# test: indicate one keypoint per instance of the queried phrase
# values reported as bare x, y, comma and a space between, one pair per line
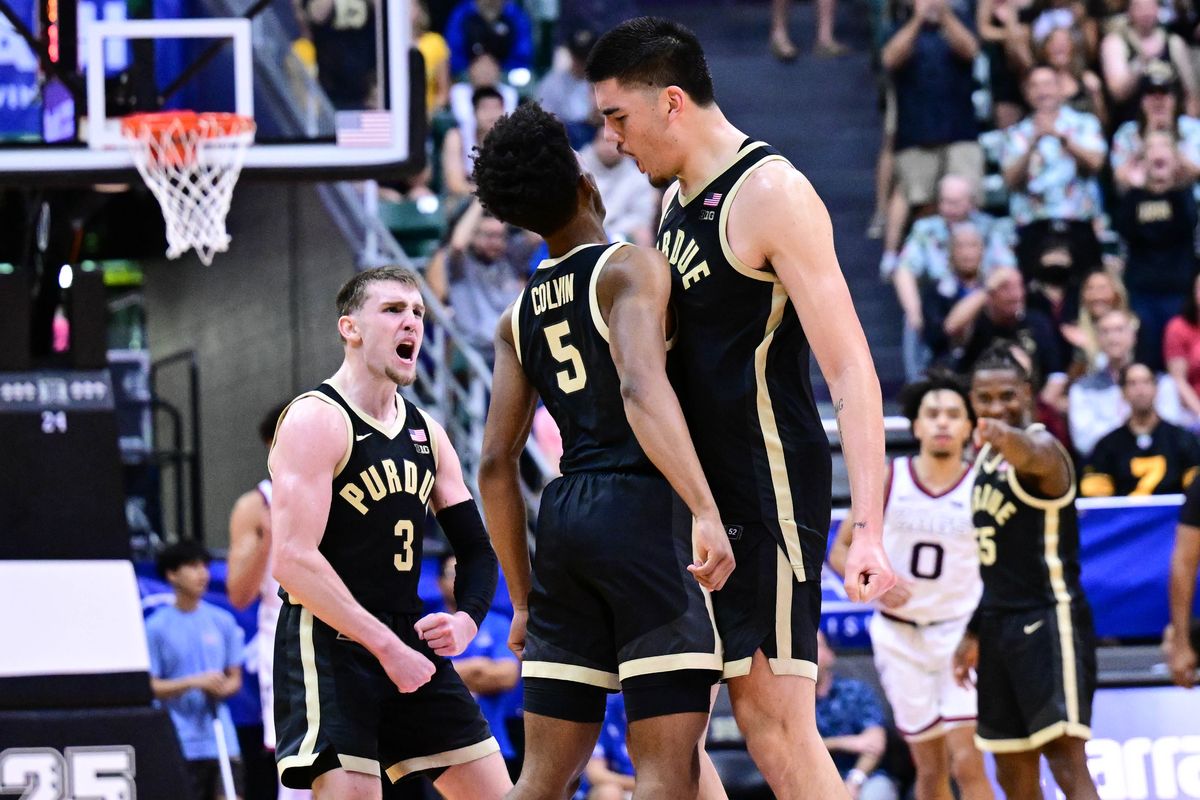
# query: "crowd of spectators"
1040, 182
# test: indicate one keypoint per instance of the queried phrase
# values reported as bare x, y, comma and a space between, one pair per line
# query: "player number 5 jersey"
930, 542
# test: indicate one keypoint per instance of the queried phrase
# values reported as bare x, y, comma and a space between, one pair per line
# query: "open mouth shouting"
407, 352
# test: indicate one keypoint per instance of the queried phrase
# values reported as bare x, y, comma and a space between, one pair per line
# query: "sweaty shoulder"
313, 433
775, 203
632, 268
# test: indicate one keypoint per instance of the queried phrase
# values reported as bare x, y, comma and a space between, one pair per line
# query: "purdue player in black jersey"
755, 283
1031, 640
363, 683
610, 604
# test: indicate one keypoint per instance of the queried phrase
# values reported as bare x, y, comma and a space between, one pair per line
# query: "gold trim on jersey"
433, 437
793, 666
763, 275
783, 607
708, 605
514, 320
571, 672
783, 663
368, 766
1043, 504
345, 459
1034, 742
652, 665
547, 263
737, 669
450, 758
668, 196
593, 299
780, 484
390, 432
1066, 643
307, 754
738, 156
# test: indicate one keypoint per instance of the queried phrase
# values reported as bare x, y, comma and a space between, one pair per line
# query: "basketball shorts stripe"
764, 607
1036, 677
336, 708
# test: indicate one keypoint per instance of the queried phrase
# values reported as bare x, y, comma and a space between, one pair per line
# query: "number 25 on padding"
404, 560
575, 378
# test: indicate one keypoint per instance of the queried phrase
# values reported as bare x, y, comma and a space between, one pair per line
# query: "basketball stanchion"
191, 162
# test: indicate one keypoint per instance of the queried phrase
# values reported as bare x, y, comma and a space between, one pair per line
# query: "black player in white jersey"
1031, 639
363, 682
755, 285
930, 539
609, 603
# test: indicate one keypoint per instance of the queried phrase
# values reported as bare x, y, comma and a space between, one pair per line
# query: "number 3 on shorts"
404, 560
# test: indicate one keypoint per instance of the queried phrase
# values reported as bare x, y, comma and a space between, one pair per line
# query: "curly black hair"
526, 173
912, 395
653, 51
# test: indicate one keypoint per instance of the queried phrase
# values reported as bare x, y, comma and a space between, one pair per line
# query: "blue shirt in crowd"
933, 91
849, 709
187, 643
492, 642
612, 745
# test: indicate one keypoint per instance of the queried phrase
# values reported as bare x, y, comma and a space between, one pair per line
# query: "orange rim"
210, 124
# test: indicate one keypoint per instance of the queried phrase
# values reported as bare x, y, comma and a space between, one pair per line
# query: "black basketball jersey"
562, 342
741, 368
1164, 461
1028, 546
376, 529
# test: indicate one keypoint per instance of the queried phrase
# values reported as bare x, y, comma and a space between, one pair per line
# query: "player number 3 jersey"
930, 541
376, 528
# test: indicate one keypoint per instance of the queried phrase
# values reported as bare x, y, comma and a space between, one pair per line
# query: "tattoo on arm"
837, 412
860, 525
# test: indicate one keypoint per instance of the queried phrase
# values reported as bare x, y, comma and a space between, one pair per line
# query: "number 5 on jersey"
572, 379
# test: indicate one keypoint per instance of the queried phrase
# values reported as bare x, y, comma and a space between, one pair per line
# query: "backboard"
332, 85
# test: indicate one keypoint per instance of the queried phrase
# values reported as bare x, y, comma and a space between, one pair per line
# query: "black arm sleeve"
475, 573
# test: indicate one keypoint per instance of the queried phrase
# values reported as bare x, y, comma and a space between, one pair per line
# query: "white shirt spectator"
630, 201
1096, 407
1056, 189
926, 251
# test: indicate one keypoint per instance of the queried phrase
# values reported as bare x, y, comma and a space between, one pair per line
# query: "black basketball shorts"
764, 606
335, 707
1036, 677
611, 597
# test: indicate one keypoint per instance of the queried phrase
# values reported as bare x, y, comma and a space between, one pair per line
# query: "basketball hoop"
190, 162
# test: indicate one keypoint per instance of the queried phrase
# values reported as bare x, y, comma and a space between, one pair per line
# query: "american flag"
712, 199
418, 435
363, 128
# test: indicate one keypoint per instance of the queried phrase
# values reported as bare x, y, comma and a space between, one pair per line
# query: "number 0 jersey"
930, 542
561, 341
1028, 546
376, 528
741, 369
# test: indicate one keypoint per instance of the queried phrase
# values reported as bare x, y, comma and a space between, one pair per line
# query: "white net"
191, 163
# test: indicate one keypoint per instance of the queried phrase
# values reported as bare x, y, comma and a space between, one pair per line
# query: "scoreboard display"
61, 493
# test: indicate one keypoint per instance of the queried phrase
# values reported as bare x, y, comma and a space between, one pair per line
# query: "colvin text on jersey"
553, 293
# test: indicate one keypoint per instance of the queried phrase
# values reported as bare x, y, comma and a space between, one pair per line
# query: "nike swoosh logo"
360, 438
1033, 626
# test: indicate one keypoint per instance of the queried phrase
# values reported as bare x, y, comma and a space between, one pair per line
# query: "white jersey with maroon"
930, 542
269, 604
